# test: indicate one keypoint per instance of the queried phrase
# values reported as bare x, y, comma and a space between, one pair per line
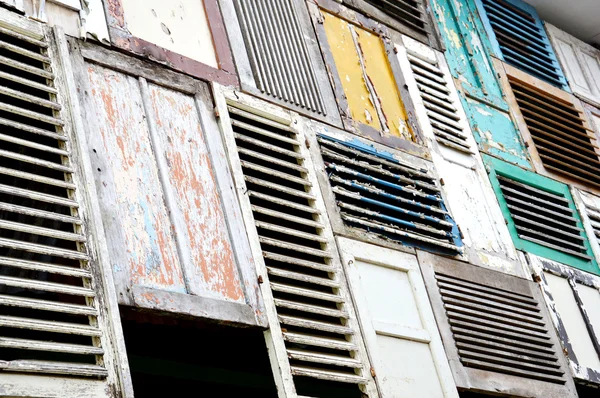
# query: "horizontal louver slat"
306, 292
49, 321
408, 12
390, 199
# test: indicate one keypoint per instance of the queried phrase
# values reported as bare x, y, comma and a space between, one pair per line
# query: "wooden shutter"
276, 57
518, 37
52, 300
410, 17
468, 55
554, 125
541, 215
392, 199
496, 331
573, 297
399, 327
313, 332
581, 63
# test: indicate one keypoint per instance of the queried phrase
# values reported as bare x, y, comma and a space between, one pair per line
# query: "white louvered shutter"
397, 321
469, 194
313, 337
53, 313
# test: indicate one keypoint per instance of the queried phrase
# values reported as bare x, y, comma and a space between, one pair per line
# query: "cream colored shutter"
313, 332
53, 308
397, 321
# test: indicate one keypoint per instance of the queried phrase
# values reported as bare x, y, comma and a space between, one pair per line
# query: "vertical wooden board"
198, 205
496, 133
590, 297
379, 72
573, 69
401, 334
136, 221
348, 65
591, 60
573, 322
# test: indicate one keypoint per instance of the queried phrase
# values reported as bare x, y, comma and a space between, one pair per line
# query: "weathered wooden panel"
171, 220
467, 53
469, 194
399, 327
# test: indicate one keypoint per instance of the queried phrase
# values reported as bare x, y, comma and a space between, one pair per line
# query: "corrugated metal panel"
467, 53
519, 38
367, 78
541, 215
379, 194
309, 303
278, 52
555, 125
581, 63
496, 331
49, 296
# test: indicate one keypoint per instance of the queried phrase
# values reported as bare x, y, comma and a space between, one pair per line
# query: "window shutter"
313, 326
518, 37
394, 200
276, 56
496, 330
573, 297
402, 337
554, 124
407, 16
435, 90
541, 215
581, 63
53, 308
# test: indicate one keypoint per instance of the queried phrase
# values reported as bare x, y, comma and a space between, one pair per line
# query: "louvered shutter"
52, 302
313, 332
469, 194
407, 16
518, 37
541, 215
573, 297
496, 331
396, 317
554, 125
277, 57
581, 63
390, 199
589, 208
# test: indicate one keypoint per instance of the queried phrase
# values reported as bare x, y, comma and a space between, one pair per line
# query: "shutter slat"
45, 267
6, 342
496, 342
328, 375
27, 82
29, 229
336, 360
315, 309
45, 305
408, 13
512, 370
315, 325
542, 240
284, 202
32, 129
487, 330
290, 231
308, 293
280, 188
33, 145
38, 196
294, 247
249, 127
297, 261
303, 277
270, 147
271, 159
35, 177
26, 68
48, 326
60, 368
287, 217
275, 173
35, 161
46, 286
28, 211
29, 98
311, 340
42, 249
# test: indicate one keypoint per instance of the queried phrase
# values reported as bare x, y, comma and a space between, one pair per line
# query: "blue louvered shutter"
519, 38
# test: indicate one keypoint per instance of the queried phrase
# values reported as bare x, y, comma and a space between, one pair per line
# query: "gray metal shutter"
385, 197
312, 317
496, 330
52, 305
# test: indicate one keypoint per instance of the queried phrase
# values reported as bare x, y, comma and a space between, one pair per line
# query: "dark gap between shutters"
48, 321
557, 128
297, 255
523, 41
387, 198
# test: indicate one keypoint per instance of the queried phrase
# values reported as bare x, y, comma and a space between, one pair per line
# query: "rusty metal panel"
467, 53
169, 213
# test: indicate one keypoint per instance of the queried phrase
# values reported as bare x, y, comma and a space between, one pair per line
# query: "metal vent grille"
409, 12
522, 40
305, 285
543, 217
499, 330
564, 143
441, 110
48, 320
385, 197
278, 54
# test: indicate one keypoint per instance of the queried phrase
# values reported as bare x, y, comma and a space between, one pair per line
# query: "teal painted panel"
468, 53
498, 168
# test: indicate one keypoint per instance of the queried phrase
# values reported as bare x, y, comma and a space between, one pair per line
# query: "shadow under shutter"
53, 313
312, 319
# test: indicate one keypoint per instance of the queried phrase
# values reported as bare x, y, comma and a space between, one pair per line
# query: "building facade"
296, 199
